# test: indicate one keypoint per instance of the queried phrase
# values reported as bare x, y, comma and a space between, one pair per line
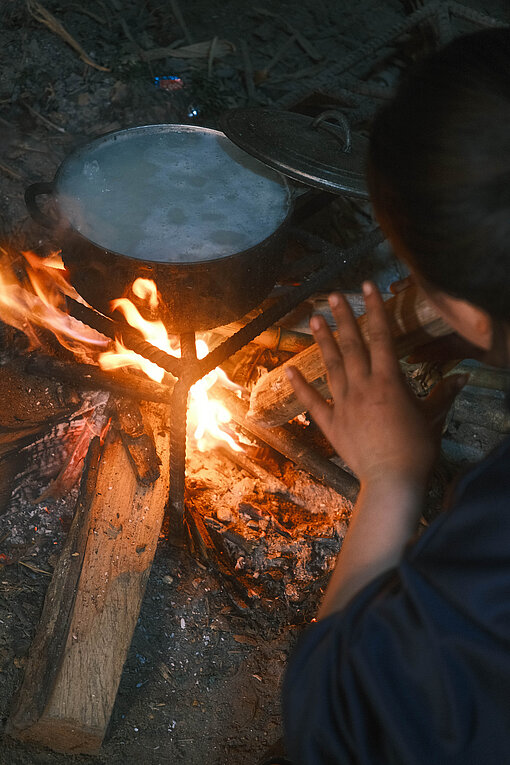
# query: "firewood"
294, 448
31, 406
93, 601
413, 321
138, 439
87, 376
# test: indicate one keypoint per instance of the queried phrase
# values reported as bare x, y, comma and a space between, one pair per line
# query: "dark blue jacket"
415, 670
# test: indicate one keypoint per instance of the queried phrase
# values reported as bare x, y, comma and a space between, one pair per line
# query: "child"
409, 662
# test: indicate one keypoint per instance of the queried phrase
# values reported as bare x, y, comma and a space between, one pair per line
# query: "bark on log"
413, 321
93, 602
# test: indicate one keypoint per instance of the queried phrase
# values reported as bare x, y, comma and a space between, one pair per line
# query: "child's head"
439, 170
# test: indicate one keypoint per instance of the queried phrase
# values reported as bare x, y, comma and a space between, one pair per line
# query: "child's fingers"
331, 355
382, 352
401, 284
312, 400
349, 339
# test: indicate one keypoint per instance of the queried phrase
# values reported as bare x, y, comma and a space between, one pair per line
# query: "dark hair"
439, 169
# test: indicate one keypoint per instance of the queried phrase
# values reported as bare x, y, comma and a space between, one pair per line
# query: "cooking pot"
178, 204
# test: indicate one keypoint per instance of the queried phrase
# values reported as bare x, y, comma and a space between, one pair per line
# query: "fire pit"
158, 183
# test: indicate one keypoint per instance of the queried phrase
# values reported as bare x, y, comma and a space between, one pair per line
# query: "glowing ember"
39, 300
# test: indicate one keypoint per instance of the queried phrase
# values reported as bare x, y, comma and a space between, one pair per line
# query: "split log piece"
31, 407
93, 601
484, 376
413, 322
138, 440
294, 448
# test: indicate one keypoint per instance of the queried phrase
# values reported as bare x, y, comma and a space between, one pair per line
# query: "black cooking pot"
178, 204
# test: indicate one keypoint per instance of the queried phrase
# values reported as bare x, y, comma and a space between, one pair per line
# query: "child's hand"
375, 424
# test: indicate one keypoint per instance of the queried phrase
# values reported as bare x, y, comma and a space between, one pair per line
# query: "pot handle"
31, 194
342, 121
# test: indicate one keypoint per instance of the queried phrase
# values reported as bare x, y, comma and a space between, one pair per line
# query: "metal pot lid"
311, 150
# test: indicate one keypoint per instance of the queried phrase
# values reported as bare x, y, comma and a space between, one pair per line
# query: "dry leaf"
245, 640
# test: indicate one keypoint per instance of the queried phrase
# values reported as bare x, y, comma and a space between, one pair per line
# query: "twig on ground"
307, 46
44, 119
197, 50
87, 12
262, 74
41, 14
176, 10
248, 70
33, 568
210, 58
12, 173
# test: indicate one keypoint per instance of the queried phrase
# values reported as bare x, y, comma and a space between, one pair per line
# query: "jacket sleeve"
416, 669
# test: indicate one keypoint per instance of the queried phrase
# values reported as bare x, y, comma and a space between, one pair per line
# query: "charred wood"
138, 439
85, 376
213, 555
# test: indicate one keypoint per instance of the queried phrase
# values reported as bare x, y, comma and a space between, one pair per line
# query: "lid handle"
341, 119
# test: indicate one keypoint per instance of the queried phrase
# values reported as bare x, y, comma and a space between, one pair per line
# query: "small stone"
167, 579
224, 514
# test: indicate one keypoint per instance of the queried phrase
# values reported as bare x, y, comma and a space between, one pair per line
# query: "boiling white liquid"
171, 196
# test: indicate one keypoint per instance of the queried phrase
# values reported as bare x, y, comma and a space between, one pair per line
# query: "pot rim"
170, 127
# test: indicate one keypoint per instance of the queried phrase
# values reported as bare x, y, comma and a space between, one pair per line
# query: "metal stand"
188, 369
178, 426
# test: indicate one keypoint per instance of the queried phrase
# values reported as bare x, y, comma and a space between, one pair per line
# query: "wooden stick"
93, 601
413, 322
6, 169
294, 449
88, 376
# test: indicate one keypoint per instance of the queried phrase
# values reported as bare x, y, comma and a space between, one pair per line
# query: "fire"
38, 300
208, 418
41, 302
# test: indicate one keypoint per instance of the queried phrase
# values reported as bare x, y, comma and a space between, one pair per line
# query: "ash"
41, 507
282, 530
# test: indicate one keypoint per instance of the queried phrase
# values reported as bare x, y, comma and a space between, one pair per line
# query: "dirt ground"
201, 682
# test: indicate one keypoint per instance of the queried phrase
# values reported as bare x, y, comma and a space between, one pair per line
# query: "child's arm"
383, 433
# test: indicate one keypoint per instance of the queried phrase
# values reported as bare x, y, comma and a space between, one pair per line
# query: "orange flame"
38, 300
41, 302
207, 417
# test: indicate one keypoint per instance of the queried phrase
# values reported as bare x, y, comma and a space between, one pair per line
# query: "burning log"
32, 408
294, 449
93, 601
88, 376
414, 322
